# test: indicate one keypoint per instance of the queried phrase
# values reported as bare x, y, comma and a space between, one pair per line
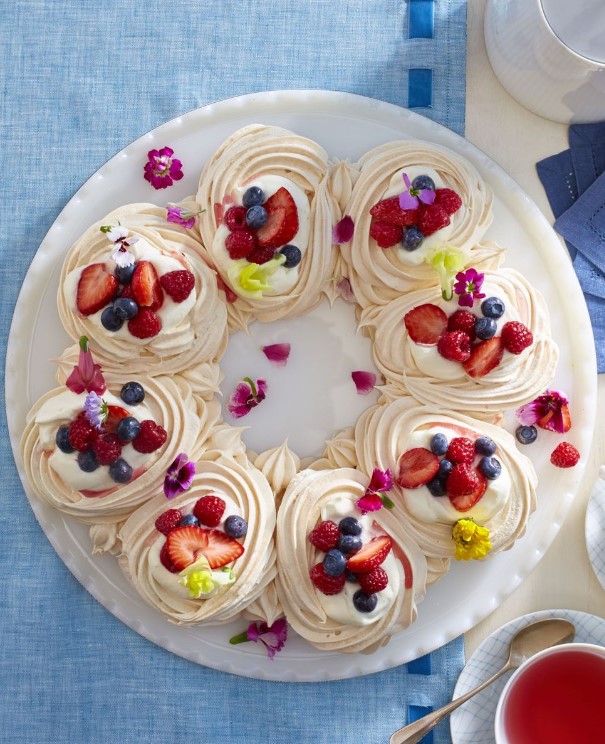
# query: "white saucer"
474, 721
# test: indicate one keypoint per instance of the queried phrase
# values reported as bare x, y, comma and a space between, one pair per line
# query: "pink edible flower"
161, 169
372, 500
86, 375
277, 354
273, 637
550, 411
364, 381
343, 231
411, 197
246, 396
468, 286
345, 290
181, 216
179, 476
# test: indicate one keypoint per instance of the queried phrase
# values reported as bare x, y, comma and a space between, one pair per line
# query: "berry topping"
461, 449
516, 337
389, 211
490, 467
485, 328
463, 480
445, 467
82, 434
189, 520
425, 324
107, 447
132, 393
62, 439
374, 581
96, 288
364, 602
126, 290
282, 220
168, 521
145, 324
235, 218
465, 501
186, 544
235, 526
349, 526
484, 357
293, 256
351, 577
386, 235
261, 255
349, 544
151, 437
325, 536
436, 486
432, 218
325, 583
115, 414
87, 461
110, 320
423, 182
412, 238
526, 434
439, 444
120, 471
462, 320
371, 555
124, 308
165, 559
253, 195
128, 428
178, 284
256, 216
565, 455
239, 244
334, 563
209, 510
485, 446
493, 307
455, 345
124, 273
146, 286
416, 467
448, 200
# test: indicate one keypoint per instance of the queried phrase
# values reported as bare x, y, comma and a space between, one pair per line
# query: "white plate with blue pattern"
595, 527
474, 721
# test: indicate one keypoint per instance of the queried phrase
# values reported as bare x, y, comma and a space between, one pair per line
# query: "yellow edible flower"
472, 540
447, 262
252, 279
198, 583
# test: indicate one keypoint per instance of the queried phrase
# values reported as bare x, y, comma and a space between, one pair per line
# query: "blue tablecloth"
80, 80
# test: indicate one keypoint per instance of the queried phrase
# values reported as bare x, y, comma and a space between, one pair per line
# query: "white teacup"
550, 55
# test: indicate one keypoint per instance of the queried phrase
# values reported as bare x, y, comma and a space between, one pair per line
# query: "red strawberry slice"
484, 357
416, 467
187, 544
114, 415
96, 288
425, 324
467, 501
282, 220
371, 555
389, 211
146, 286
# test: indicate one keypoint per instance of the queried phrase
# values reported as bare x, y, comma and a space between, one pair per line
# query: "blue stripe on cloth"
414, 713
421, 665
420, 88
422, 19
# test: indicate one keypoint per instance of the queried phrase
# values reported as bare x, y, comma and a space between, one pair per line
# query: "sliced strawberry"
371, 555
114, 415
467, 501
416, 467
484, 357
425, 324
389, 211
187, 544
282, 220
96, 288
221, 549
146, 286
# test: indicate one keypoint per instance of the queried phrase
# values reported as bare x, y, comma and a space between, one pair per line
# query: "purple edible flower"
95, 409
179, 476
550, 411
181, 216
161, 169
468, 286
372, 500
273, 637
246, 396
411, 197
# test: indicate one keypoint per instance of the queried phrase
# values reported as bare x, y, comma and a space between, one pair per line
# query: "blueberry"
412, 238
526, 434
436, 486
110, 319
120, 471
87, 461
493, 307
364, 602
349, 526
439, 444
351, 577
127, 429
490, 467
132, 393
235, 526
485, 328
293, 256
125, 308
62, 439
445, 467
423, 182
253, 196
334, 563
124, 273
349, 544
256, 216
189, 520
485, 446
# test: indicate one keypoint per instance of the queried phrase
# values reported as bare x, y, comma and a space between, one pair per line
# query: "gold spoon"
524, 644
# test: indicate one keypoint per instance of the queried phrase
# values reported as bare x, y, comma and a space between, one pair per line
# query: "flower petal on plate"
277, 354
364, 381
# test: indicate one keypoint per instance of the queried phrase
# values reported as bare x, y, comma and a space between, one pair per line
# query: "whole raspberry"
516, 337
462, 320
389, 211
327, 584
209, 510
386, 235
432, 218
235, 218
166, 561
325, 536
261, 255
462, 481
150, 438
460, 449
448, 200
565, 455
239, 244
168, 521
178, 284
82, 434
455, 345
145, 324
107, 447
373, 581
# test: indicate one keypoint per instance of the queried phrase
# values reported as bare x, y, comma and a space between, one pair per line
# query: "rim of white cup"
581, 57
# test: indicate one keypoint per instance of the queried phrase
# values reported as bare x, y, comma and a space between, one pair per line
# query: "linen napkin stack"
574, 181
